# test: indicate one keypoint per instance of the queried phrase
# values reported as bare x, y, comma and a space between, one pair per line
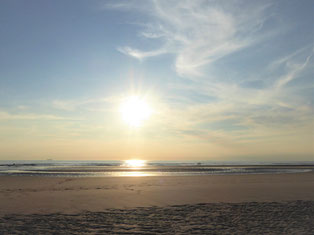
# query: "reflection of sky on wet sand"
135, 173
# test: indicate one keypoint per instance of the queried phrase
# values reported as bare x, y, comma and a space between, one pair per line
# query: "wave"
162, 168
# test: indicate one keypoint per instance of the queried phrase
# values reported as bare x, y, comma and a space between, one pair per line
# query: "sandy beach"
265, 203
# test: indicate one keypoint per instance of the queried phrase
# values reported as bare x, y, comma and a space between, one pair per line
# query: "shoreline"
149, 170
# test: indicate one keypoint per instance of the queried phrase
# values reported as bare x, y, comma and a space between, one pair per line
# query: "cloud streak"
199, 32
140, 54
30, 116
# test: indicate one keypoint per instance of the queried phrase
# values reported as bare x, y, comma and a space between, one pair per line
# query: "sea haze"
52, 168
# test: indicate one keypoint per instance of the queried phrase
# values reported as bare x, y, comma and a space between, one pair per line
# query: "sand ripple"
294, 217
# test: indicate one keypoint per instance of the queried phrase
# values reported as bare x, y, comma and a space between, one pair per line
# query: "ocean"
51, 168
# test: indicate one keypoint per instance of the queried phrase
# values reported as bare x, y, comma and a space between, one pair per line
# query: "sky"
224, 80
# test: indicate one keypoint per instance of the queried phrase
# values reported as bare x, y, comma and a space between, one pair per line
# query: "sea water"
150, 168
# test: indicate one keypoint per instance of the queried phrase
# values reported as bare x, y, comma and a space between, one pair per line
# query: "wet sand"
278, 204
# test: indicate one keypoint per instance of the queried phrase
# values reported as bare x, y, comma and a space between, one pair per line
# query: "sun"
135, 110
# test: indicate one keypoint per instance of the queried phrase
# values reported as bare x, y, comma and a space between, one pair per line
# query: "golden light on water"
135, 110
136, 174
135, 163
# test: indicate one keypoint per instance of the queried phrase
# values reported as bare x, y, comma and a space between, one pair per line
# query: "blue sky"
228, 80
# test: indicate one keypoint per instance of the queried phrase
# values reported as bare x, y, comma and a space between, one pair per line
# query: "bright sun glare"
135, 163
135, 110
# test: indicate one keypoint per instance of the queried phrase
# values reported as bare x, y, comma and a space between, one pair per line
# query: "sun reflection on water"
135, 163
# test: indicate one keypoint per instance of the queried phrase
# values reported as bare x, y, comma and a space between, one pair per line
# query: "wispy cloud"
87, 104
140, 54
199, 32
293, 71
30, 116
249, 114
